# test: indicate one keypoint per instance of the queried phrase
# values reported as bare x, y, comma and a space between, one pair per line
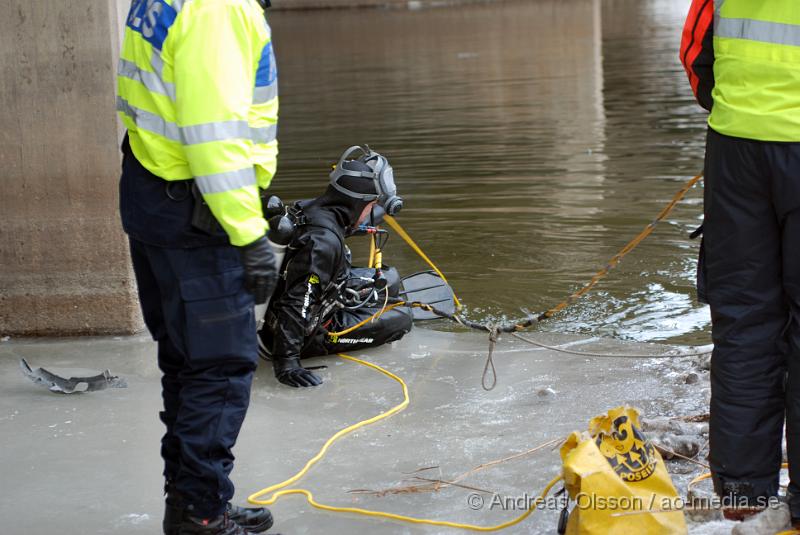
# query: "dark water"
530, 139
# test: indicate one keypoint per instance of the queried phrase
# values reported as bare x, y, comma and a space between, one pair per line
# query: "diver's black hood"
333, 207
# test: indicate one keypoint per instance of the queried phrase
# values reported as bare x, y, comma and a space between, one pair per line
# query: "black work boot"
739, 501
221, 525
254, 519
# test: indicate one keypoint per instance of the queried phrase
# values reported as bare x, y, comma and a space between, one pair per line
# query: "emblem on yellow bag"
618, 480
627, 450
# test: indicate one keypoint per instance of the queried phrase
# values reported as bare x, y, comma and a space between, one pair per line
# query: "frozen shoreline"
93, 457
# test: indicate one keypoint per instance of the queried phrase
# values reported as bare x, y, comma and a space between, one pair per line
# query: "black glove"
290, 372
260, 273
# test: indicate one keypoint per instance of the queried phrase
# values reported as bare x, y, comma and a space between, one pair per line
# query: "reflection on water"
530, 140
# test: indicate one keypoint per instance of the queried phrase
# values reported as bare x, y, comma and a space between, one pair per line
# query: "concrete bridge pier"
64, 265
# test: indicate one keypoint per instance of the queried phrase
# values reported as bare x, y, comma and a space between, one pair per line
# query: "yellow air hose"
275, 492
278, 490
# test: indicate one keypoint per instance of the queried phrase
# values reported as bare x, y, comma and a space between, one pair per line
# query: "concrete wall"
64, 265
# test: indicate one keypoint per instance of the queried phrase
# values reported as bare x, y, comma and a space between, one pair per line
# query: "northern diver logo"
334, 339
313, 279
355, 340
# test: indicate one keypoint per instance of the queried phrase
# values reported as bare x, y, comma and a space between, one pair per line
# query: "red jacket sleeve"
697, 50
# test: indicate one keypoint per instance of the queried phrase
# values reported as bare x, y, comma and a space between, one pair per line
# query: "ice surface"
93, 459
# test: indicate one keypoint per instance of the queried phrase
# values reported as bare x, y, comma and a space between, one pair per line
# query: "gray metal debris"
56, 383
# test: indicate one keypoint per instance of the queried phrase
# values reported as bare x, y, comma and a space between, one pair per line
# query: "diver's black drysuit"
307, 303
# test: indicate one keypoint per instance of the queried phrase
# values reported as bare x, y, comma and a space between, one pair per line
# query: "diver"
319, 292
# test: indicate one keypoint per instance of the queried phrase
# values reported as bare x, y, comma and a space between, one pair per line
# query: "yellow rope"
615, 260
403, 234
630, 246
276, 493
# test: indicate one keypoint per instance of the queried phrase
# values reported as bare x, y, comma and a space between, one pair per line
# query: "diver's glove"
260, 273
290, 372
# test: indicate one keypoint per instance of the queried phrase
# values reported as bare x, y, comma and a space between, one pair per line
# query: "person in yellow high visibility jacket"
197, 92
743, 62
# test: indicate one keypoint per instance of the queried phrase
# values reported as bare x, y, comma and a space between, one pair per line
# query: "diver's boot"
221, 525
254, 519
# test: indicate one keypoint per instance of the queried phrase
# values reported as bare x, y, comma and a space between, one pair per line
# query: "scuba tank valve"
272, 206
281, 230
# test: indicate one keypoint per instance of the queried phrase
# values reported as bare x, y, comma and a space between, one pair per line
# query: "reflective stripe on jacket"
197, 90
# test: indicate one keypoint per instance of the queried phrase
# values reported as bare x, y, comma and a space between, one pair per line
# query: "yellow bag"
618, 480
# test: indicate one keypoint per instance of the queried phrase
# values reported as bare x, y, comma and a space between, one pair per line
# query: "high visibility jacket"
743, 60
197, 90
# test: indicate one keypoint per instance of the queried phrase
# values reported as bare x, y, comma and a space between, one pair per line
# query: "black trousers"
751, 272
194, 304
